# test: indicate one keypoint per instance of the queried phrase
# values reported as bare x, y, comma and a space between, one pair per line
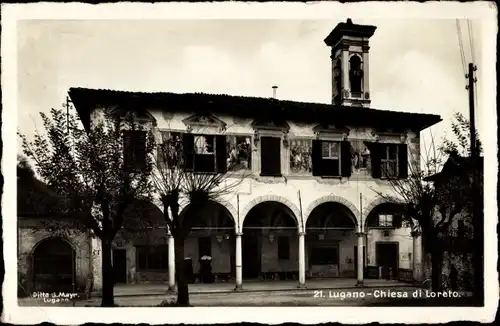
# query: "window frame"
142, 249
130, 155
385, 161
279, 140
389, 223
330, 158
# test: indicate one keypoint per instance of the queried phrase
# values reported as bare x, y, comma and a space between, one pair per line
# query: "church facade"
308, 204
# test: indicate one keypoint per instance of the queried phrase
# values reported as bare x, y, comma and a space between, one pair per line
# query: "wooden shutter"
397, 220
270, 151
220, 153
188, 151
375, 155
345, 155
128, 154
403, 161
316, 158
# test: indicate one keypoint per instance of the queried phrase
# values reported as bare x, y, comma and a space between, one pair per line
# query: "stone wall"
30, 234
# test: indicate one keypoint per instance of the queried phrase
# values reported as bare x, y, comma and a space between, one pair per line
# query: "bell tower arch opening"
350, 75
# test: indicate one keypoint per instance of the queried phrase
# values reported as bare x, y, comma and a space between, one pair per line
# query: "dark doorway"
204, 247
388, 258
54, 266
356, 260
120, 265
251, 254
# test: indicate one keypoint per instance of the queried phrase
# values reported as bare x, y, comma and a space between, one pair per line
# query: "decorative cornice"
204, 120
282, 126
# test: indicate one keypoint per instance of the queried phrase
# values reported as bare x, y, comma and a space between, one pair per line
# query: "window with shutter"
389, 161
403, 161
270, 151
316, 158
346, 158
220, 153
188, 151
134, 147
331, 158
385, 220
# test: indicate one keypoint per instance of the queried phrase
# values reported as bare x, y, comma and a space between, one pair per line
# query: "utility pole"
67, 105
477, 211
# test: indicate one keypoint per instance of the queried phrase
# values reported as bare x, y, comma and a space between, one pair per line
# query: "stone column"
360, 262
171, 263
417, 256
346, 83
96, 256
239, 267
302, 260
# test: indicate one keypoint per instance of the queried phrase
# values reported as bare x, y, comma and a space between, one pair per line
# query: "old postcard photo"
253, 162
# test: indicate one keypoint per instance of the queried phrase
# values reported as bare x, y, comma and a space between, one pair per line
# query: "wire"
471, 40
461, 47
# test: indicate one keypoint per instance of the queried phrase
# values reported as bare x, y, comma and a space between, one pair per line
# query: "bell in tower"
350, 46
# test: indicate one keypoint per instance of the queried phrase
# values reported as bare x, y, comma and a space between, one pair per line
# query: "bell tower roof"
349, 29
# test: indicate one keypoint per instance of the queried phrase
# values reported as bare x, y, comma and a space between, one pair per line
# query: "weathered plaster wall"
30, 234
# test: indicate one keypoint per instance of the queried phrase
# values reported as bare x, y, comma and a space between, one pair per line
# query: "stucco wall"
30, 234
401, 236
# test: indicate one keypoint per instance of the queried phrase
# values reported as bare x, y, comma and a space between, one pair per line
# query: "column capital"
238, 234
301, 233
360, 234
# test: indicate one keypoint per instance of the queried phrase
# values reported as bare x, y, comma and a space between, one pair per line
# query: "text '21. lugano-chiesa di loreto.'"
309, 206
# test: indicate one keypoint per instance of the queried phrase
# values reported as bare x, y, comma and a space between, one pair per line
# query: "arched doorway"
269, 233
383, 225
330, 241
212, 244
54, 266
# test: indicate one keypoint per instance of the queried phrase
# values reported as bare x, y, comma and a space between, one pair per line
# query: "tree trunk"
180, 275
108, 281
437, 263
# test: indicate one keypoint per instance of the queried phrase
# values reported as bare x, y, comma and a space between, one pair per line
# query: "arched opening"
54, 266
330, 241
210, 246
384, 226
144, 227
355, 75
269, 233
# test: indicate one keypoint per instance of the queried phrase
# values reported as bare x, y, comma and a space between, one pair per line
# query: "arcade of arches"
270, 246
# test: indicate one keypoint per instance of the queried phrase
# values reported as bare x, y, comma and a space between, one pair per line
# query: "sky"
415, 65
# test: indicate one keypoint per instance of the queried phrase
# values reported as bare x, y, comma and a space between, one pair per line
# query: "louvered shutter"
128, 154
220, 153
346, 163
316, 157
270, 151
375, 155
403, 161
139, 149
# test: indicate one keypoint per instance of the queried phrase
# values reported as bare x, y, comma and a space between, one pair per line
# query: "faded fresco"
360, 156
300, 156
239, 152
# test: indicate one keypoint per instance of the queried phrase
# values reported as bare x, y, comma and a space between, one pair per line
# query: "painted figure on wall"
360, 156
239, 152
300, 156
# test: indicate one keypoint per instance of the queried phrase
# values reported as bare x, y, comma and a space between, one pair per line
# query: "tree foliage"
175, 183
89, 170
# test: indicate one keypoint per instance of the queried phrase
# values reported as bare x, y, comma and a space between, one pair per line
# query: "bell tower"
350, 72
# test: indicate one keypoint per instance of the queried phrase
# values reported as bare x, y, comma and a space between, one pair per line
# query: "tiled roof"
86, 99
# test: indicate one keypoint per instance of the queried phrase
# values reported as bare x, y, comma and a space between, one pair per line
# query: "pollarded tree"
179, 177
423, 204
100, 171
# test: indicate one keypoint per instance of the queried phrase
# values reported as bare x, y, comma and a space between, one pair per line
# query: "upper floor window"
331, 158
204, 153
330, 150
134, 148
270, 151
385, 220
389, 161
